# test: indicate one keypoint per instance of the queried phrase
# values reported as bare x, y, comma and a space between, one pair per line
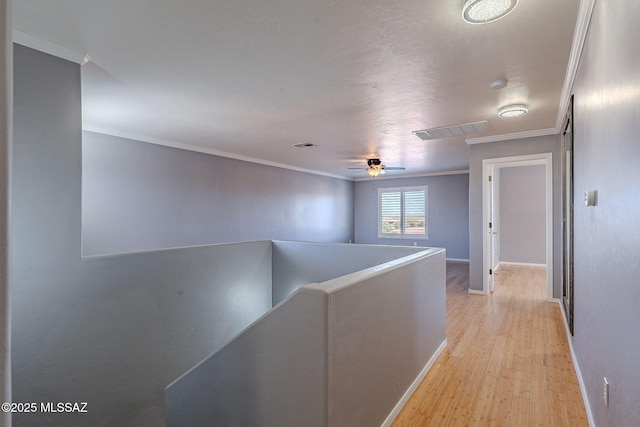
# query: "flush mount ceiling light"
485, 11
515, 110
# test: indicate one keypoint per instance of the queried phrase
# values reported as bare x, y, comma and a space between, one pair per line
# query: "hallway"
507, 362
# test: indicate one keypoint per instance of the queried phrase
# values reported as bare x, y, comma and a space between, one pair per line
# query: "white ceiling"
356, 77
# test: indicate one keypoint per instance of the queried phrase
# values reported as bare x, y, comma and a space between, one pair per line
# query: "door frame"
545, 159
491, 214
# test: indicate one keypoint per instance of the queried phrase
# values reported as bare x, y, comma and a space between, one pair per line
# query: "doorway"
489, 225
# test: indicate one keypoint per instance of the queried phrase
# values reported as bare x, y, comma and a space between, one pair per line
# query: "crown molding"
213, 152
205, 150
51, 48
579, 36
509, 136
415, 175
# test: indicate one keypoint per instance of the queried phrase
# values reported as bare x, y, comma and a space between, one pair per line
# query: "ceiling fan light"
485, 11
373, 172
515, 110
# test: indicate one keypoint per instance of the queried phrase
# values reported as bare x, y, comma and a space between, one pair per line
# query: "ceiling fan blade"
360, 169
394, 168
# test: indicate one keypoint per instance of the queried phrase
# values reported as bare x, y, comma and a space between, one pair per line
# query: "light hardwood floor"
507, 362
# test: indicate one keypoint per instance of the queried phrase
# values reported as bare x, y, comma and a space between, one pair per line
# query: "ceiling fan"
376, 167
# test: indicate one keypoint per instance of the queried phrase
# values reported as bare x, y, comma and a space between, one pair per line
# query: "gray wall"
111, 331
139, 196
522, 214
382, 333
6, 54
607, 236
448, 212
478, 152
297, 264
273, 374
338, 353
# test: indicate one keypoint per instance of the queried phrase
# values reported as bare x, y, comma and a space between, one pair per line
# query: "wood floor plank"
507, 362
481, 414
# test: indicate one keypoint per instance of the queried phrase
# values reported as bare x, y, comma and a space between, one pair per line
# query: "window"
402, 212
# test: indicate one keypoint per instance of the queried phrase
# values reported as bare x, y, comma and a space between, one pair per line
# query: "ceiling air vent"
304, 145
451, 131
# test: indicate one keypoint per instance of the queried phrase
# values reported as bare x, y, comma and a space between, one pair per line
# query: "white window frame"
402, 191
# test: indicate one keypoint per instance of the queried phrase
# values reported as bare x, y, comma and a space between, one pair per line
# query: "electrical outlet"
605, 394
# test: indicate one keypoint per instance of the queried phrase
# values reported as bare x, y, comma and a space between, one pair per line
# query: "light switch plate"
590, 197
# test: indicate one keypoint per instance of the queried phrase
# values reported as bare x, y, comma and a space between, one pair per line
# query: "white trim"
458, 259
51, 48
477, 292
214, 152
414, 385
513, 162
415, 175
510, 136
579, 36
545, 159
583, 388
524, 264
204, 150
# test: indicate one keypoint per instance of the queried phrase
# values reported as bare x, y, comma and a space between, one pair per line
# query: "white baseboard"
476, 292
457, 259
525, 264
583, 389
414, 385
